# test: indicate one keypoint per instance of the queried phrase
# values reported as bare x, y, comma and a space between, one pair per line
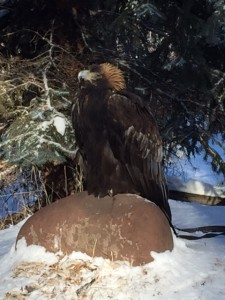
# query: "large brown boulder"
124, 227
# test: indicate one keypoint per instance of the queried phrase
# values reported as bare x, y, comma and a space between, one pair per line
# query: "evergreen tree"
172, 52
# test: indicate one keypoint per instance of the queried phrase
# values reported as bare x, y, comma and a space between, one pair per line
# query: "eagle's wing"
135, 141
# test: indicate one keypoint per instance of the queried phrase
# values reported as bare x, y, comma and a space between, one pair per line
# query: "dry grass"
9, 176
72, 276
22, 80
48, 184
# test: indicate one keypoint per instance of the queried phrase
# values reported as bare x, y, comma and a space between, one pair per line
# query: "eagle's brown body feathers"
118, 138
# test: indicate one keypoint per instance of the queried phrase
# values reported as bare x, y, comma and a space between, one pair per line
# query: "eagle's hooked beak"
88, 76
85, 74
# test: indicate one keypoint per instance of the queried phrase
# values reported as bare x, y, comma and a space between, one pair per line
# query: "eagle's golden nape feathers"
114, 76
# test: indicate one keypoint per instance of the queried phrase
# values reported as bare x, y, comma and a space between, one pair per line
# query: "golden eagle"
118, 138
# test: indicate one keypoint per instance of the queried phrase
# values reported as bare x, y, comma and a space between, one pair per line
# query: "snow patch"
44, 125
195, 187
60, 125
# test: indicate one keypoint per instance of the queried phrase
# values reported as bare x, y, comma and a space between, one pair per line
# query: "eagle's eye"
87, 75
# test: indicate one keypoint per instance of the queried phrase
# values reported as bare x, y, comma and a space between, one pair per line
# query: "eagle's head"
103, 76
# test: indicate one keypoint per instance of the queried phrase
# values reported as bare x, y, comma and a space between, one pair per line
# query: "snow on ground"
195, 186
193, 270
195, 168
195, 176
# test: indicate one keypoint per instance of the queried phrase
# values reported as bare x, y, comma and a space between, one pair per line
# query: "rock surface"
123, 227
